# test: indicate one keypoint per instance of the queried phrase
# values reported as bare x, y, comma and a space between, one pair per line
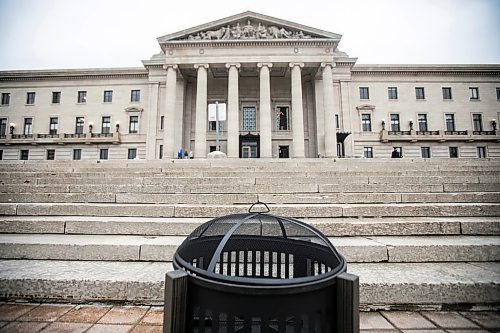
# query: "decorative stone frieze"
251, 30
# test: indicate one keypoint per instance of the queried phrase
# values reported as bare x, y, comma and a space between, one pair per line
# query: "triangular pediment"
249, 26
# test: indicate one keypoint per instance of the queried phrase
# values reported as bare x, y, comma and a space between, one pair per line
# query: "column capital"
196, 66
325, 64
231, 64
266, 64
293, 64
167, 66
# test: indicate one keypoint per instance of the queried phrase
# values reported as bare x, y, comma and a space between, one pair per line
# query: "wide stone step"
158, 226
382, 285
259, 178
162, 248
292, 210
230, 198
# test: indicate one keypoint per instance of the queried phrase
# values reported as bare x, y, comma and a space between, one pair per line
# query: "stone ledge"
381, 285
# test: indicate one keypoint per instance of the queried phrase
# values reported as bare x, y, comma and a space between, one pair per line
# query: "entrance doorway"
249, 146
284, 152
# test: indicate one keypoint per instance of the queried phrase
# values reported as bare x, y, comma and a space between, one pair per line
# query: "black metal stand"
174, 311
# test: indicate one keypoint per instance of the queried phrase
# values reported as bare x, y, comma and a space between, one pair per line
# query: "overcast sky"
50, 34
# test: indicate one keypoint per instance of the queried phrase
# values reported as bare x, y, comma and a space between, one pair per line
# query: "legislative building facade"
279, 90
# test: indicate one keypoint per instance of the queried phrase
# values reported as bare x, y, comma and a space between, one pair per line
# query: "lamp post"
12, 127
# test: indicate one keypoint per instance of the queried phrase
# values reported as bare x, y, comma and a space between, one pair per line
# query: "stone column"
266, 149
233, 122
152, 117
329, 109
200, 136
297, 111
169, 150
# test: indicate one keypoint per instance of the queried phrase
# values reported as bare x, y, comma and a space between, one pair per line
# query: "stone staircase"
419, 233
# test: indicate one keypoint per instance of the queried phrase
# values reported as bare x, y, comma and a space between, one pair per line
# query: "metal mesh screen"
258, 249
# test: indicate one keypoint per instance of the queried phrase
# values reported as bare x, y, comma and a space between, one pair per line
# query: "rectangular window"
481, 152
80, 122
133, 125
426, 152
212, 125
160, 153
397, 152
30, 98
498, 94
282, 120
82, 97
6, 98
368, 152
450, 122
453, 152
249, 118
56, 97
106, 125
51, 154
446, 93
103, 154
337, 122
162, 122
422, 122
77, 154
132, 153
135, 95
474, 93
108, 96
392, 92
28, 126
395, 126
53, 124
477, 122
25, 154
419, 93
3, 127
366, 122
1, 154
364, 93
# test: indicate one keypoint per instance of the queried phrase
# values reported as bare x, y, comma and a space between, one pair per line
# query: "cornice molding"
76, 74
426, 70
257, 42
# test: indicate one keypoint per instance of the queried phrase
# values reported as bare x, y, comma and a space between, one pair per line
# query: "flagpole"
217, 126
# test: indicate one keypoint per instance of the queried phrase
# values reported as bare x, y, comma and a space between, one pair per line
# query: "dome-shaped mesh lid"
258, 248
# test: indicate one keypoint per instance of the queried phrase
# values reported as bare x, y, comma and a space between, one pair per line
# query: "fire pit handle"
257, 203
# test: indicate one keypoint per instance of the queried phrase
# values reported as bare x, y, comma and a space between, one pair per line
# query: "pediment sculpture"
248, 31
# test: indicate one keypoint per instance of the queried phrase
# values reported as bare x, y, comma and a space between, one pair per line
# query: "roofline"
426, 69
73, 74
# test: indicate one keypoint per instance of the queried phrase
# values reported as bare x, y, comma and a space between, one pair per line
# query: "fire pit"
258, 272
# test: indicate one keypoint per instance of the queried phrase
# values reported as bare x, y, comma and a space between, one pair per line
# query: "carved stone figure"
248, 31
214, 34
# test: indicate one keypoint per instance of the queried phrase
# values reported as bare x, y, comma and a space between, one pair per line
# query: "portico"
267, 72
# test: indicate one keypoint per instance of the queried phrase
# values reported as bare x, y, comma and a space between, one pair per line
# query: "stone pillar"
169, 150
297, 111
266, 149
329, 109
200, 136
152, 117
233, 118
